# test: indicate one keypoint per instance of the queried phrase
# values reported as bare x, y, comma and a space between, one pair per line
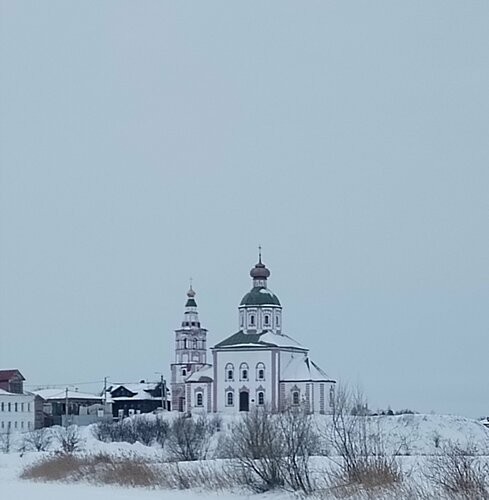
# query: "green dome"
260, 296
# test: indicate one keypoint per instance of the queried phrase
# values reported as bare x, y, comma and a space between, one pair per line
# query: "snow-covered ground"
420, 435
11, 487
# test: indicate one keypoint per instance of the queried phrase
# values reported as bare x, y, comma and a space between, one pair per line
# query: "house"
18, 410
258, 366
12, 381
67, 406
135, 398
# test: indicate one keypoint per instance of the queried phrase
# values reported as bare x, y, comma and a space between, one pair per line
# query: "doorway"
244, 401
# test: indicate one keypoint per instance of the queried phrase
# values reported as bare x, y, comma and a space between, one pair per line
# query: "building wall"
17, 412
237, 359
315, 397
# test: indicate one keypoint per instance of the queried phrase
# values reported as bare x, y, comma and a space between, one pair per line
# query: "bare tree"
273, 450
69, 438
300, 441
189, 439
458, 472
258, 449
38, 440
6, 441
360, 446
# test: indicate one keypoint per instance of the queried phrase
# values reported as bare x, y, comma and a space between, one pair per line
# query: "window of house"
200, 399
261, 398
229, 398
244, 371
295, 398
260, 371
229, 372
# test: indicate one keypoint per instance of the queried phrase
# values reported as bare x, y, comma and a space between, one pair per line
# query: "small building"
66, 406
136, 398
17, 408
12, 381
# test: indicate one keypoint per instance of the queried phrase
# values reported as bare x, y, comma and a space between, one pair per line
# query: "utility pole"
105, 396
163, 393
66, 407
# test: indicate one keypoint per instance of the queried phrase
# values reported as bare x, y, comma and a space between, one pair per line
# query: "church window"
229, 372
267, 320
261, 398
277, 320
260, 371
184, 372
185, 343
295, 398
243, 371
200, 399
195, 343
229, 399
252, 320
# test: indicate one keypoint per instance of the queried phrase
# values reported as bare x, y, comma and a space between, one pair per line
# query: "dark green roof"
260, 296
244, 338
191, 303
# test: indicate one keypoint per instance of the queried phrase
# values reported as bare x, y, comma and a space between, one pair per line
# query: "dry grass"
130, 471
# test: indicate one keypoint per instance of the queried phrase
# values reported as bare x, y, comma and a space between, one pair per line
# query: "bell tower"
190, 351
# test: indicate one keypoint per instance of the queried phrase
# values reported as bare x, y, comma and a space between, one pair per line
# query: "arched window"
229, 398
243, 371
185, 343
184, 372
229, 372
295, 398
261, 398
260, 371
195, 343
252, 320
200, 399
267, 320
277, 320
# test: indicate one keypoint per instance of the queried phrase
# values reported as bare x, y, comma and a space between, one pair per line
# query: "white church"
258, 366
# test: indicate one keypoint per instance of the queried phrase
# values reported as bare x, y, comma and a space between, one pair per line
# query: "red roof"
6, 375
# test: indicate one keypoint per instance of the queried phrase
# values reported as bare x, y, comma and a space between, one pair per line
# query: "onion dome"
260, 271
191, 301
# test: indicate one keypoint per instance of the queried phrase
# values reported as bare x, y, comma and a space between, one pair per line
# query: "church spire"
191, 316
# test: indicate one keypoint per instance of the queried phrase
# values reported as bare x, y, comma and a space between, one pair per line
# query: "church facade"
258, 366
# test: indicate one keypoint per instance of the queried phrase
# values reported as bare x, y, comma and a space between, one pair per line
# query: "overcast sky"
142, 143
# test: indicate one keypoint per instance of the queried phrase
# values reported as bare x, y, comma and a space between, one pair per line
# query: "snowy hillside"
412, 436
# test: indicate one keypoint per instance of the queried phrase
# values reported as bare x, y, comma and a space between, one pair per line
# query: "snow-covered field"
420, 435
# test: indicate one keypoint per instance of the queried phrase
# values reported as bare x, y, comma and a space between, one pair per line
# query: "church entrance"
244, 401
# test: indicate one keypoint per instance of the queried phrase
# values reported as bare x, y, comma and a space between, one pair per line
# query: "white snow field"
420, 435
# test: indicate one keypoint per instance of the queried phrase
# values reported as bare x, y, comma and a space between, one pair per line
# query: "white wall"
17, 412
236, 357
